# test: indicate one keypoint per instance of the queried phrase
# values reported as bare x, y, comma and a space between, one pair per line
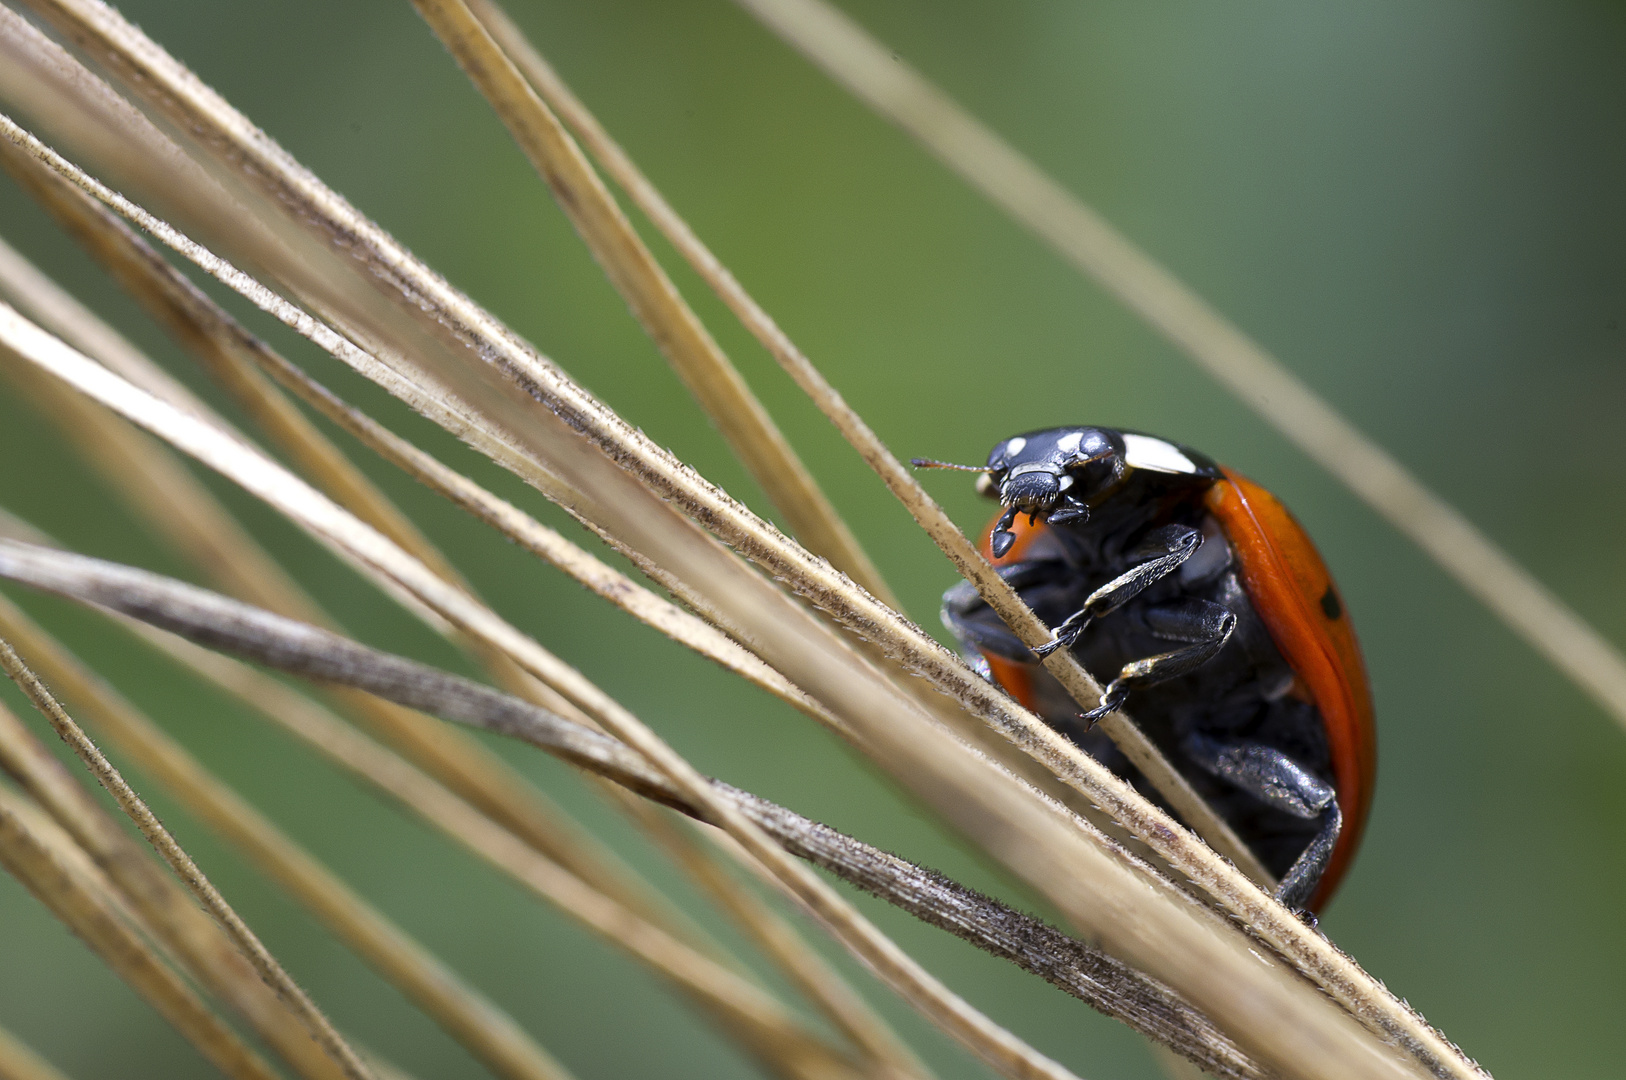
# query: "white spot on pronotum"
1155, 455
1068, 444
1014, 446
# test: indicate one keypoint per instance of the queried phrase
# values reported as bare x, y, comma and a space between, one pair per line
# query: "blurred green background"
1418, 206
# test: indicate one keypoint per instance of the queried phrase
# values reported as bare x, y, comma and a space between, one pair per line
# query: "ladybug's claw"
1066, 634
1112, 699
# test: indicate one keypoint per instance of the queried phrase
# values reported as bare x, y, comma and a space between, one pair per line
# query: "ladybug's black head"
1051, 473
1059, 473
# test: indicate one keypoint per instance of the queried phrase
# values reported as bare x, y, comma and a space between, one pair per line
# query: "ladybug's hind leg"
1159, 555
1277, 780
1207, 626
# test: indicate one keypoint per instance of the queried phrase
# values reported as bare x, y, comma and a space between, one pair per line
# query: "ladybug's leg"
1159, 555
1277, 780
1206, 625
971, 620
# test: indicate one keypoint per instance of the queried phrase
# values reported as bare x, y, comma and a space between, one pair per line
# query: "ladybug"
1204, 596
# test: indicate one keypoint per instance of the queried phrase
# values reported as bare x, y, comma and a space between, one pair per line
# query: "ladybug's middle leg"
1207, 626
1158, 556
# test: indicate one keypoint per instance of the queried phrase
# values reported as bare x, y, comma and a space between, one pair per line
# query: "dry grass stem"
328, 522
182, 511
992, 819
818, 982
194, 318
93, 915
207, 330
1047, 849
994, 589
555, 836
1081, 236
490, 1034
1093, 977
232, 353
157, 902
828, 589
743, 1007
18, 1061
710, 376
181, 863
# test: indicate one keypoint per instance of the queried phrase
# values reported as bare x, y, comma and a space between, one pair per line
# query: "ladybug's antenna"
928, 463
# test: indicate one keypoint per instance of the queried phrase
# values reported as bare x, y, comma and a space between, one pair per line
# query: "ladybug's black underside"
1242, 694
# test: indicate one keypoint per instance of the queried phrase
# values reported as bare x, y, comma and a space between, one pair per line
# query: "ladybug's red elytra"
1129, 544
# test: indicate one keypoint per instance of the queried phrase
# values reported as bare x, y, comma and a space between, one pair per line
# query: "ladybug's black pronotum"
1198, 591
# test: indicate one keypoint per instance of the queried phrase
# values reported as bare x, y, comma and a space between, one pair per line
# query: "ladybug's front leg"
1277, 780
1206, 625
1158, 556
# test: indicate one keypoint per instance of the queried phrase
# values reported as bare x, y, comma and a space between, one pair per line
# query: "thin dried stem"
328, 522
224, 624
828, 589
743, 1007
158, 902
490, 1034
715, 382
1080, 235
202, 323
817, 981
171, 852
58, 882
1007, 827
1140, 750
165, 495
791, 1056
18, 1061
232, 353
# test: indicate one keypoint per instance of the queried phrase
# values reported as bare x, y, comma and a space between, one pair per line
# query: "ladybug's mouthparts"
1033, 488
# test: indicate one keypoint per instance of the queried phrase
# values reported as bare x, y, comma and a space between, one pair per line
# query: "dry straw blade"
1135, 745
313, 653
182, 511
873, 73
19, 1061
328, 522
247, 942
1343, 978
158, 903
984, 808
752, 1015
56, 878
490, 1034
237, 357
556, 835
195, 318
670, 322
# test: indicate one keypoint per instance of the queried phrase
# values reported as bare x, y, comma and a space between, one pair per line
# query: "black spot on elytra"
1330, 605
